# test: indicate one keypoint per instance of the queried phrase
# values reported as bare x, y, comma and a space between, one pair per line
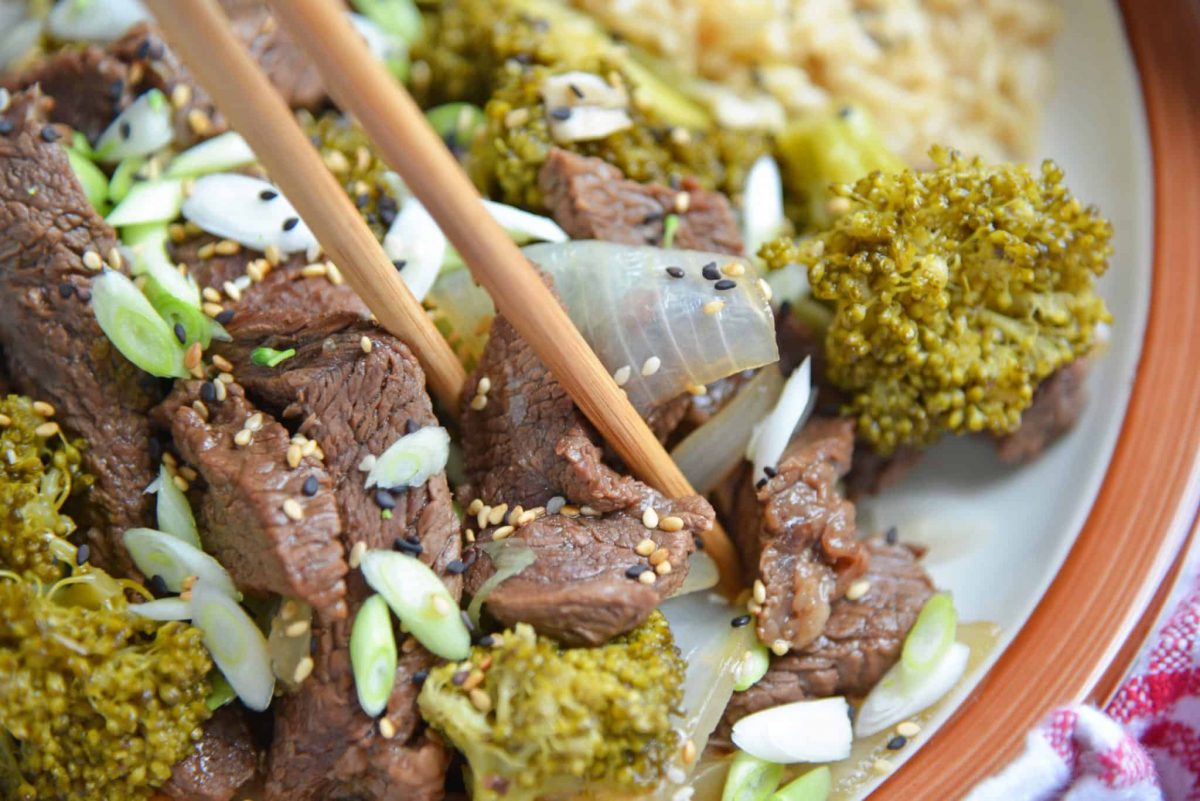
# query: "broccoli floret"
824, 149
535, 719
954, 293
38, 472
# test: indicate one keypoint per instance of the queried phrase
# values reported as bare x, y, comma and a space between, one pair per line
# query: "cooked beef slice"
353, 404
241, 516
284, 62
528, 445
53, 347
284, 304
1057, 404
796, 533
592, 199
861, 641
224, 760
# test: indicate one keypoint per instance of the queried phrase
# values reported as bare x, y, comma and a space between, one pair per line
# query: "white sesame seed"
659, 556
683, 201
442, 605
43, 409
356, 554
481, 517
648, 577
651, 366
221, 363
502, 533
309, 448
621, 376
367, 464
293, 509
760, 592
226, 247
294, 455
780, 647
588, 511
5, 99
474, 507
480, 699
671, 523
484, 386
734, 269
334, 274
46, 429
115, 259
254, 422
479, 402
882, 766
662, 568
212, 309
92, 260
297, 629
857, 590
387, 729
497, 514
273, 255
317, 270
180, 482
645, 547
365, 343
650, 518
714, 306
908, 729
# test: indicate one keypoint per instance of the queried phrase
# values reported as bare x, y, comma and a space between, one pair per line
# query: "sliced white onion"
582, 106
771, 436
158, 554
148, 123
466, 309
788, 283
236, 644
702, 574
287, 651
803, 731
411, 460
148, 202
415, 239
524, 227
419, 598
20, 37
588, 123
711, 452
899, 695
99, 21
762, 204
232, 206
174, 513
219, 154
163, 609
739, 111
577, 88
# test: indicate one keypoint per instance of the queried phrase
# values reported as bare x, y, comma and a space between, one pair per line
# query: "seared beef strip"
592, 199
526, 446
241, 517
795, 533
225, 759
284, 62
53, 346
861, 640
1057, 404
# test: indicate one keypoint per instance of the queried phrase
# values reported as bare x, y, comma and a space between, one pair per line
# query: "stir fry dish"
244, 555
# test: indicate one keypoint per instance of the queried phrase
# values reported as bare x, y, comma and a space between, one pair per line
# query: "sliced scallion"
123, 178
221, 693
135, 328
411, 460
236, 644
509, 557
229, 151
91, 178
93, 21
801, 731
142, 128
373, 655
750, 778
420, 600
812, 786
159, 554
899, 695
398, 17
384, 45
456, 122
931, 636
163, 609
174, 512
81, 145
269, 357
670, 226
751, 667
197, 326
148, 202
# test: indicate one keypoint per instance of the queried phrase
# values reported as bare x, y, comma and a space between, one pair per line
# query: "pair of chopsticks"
392, 120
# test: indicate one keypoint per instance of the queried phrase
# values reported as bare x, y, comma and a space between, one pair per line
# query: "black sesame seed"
575, 90
460, 678
268, 194
560, 113
456, 567
224, 317
674, 181
143, 49
6, 126
82, 553
419, 677
845, 111
466, 619
725, 283
892, 536
84, 295
116, 89
635, 571
158, 584
50, 135
361, 201
312, 645
384, 499
698, 541
290, 223
770, 471
785, 308
310, 486
125, 129
675, 272
156, 449
411, 426
897, 742
66, 290
180, 333
762, 482
710, 271
653, 217
407, 546
399, 264
487, 641
208, 392
739, 621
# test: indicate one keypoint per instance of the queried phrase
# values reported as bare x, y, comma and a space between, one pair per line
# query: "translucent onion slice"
802, 731
373, 655
411, 460
931, 636
142, 128
898, 695
509, 557
750, 778
247, 210
159, 554
753, 666
712, 451
772, 434
703, 574
174, 513
465, 309
289, 650
524, 227
91, 178
20, 35
93, 20
228, 151
148, 202
630, 309
236, 644
812, 786
134, 327
415, 239
762, 204
420, 600
123, 178
163, 609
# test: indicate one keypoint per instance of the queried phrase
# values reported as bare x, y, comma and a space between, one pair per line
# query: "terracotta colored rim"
1085, 630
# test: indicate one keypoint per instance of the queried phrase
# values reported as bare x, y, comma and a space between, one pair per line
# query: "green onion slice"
456, 122
398, 17
91, 178
750, 778
123, 178
812, 786
509, 557
229, 151
163, 609
142, 128
236, 644
81, 145
411, 460
670, 226
221, 693
159, 554
420, 600
373, 655
751, 667
269, 357
134, 327
174, 512
149, 202
931, 636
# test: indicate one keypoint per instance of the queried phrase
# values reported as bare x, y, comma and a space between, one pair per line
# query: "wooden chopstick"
200, 32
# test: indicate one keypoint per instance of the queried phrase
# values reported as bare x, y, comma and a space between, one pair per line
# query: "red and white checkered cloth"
1145, 746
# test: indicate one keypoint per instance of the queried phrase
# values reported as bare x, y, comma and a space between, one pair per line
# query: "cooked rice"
972, 74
